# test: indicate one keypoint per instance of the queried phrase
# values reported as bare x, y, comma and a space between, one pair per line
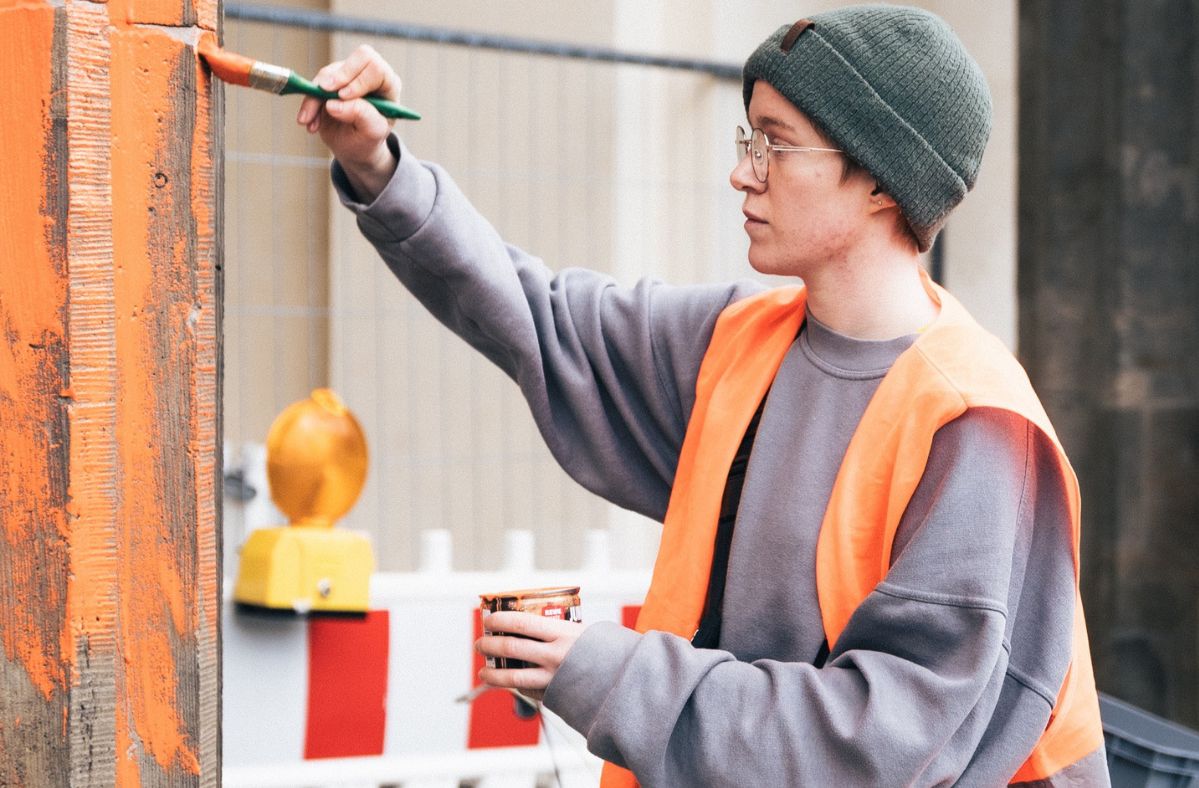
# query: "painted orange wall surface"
32, 317
109, 394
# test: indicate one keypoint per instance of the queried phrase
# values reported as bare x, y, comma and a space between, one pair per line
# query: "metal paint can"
561, 603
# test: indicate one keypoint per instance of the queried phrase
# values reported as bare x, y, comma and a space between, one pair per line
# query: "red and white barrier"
384, 689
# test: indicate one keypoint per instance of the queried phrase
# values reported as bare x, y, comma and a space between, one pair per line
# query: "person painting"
868, 572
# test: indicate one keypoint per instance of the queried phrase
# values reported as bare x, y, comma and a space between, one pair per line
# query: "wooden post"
110, 300
1109, 225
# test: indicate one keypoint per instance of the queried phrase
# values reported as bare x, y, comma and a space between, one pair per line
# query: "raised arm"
608, 371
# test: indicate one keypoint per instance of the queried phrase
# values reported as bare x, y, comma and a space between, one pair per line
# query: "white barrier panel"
298, 689
493, 768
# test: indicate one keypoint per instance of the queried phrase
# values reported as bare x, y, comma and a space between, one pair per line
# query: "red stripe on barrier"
497, 717
347, 685
628, 615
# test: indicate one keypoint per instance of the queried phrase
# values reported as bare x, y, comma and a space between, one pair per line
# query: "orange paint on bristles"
228, 66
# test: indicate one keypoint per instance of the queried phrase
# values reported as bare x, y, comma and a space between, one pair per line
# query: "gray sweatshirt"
946, 674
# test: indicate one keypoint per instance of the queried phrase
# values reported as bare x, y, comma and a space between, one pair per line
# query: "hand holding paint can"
561, 603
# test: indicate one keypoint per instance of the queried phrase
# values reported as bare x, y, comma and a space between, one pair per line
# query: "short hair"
851, 167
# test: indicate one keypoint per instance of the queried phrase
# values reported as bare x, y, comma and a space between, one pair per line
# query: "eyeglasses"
758, 147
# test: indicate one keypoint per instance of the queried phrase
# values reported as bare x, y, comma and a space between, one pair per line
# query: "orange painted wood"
36, 659
109, 396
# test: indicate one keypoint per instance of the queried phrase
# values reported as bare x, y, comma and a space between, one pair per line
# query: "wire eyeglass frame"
759, 147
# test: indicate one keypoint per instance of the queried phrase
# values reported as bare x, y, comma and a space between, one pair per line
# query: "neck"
872, 296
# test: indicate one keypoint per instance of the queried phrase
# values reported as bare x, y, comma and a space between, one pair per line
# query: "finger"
310, 110
527, 624
310, 107
360, 114
337, 75
329, 77
524, 679
537, 652
362, 65
374, 80
364, 73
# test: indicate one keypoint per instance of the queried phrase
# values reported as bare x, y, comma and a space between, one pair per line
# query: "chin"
772, 266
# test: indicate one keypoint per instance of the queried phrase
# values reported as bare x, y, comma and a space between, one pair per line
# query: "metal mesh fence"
620, 167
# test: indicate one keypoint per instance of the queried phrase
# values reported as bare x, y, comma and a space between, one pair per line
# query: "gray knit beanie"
894, 88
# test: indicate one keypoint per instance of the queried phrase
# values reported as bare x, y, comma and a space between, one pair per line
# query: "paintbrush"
241, 70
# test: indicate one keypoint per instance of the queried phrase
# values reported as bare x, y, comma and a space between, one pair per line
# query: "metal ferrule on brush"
265, 76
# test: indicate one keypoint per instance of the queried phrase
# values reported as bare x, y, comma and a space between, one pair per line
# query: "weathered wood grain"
110, 298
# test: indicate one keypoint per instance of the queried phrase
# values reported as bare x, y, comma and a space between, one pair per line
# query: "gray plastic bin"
1146, 750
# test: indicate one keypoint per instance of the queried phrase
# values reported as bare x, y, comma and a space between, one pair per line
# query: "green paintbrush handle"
388, 109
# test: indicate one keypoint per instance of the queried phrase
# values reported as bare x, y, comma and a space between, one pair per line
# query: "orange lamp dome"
316, 460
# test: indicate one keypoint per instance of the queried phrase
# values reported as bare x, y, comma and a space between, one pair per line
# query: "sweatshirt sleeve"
608, 371
913, 684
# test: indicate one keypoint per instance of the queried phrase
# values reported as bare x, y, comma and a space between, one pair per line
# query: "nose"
743, 179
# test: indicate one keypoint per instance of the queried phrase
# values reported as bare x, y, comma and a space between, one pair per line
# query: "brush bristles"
231, 68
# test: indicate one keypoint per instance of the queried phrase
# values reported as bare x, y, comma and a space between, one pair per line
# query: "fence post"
109, 395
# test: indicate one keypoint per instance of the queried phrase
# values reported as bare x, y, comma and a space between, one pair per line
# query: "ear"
880, 200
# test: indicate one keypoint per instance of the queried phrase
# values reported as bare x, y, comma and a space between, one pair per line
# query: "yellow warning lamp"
316, 465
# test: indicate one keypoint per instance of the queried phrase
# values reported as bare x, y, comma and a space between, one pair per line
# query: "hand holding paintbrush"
357, 135
240, 70
349, 104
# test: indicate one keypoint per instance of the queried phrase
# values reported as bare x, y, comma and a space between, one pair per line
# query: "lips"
753, 217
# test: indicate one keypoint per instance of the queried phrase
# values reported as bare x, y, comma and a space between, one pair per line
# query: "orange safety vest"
953, 365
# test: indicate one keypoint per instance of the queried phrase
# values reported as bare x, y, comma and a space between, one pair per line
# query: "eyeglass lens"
758, 150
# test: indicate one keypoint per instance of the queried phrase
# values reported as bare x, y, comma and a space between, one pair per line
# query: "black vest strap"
708, 634
822, 655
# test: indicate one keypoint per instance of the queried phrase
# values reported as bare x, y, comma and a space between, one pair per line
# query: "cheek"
818, 203
801, 211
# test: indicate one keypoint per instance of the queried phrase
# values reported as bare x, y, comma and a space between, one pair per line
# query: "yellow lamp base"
305, 569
